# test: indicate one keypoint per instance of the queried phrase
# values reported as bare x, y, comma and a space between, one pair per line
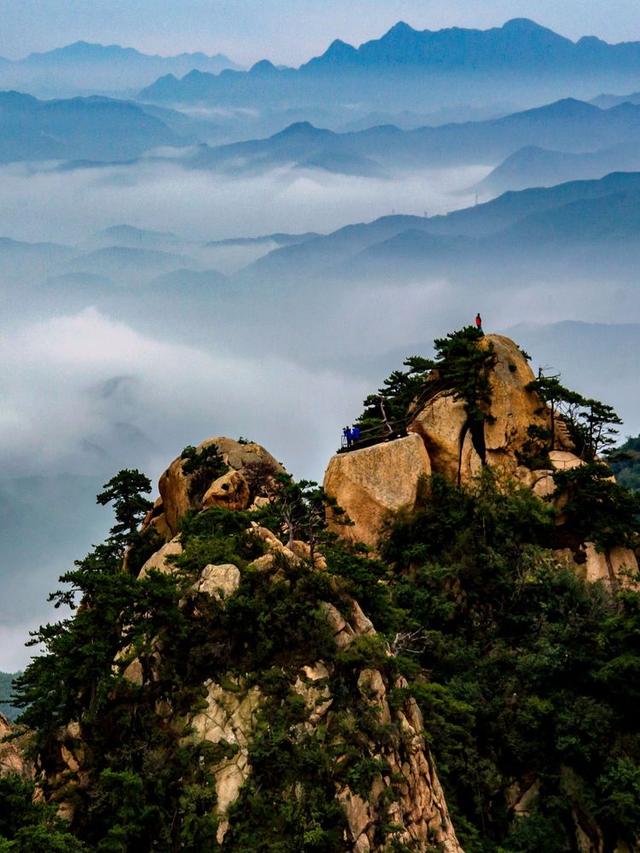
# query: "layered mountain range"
562, 141
84, 67
521, 51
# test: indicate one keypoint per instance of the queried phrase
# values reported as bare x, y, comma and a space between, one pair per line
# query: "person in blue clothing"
346, 432
355, 434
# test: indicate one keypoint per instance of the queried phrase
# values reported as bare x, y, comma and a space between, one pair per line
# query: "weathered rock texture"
442, 422
612, 567
231, 490
370, 483
229, 718
161, 561
418, 808
12, 759
406, 792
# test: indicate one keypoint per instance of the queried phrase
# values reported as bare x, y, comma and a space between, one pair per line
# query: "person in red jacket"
478, 322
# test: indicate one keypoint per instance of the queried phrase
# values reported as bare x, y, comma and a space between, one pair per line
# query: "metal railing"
391, 430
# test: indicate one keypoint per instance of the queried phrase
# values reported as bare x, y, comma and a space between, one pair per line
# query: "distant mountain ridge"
568, 125
95, 128
520, 42
579, 218
533, 166
83, 66
520, 47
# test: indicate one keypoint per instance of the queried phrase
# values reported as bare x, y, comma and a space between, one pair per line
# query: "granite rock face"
442, 421
12, 759
231, 490
369, 484
232, 708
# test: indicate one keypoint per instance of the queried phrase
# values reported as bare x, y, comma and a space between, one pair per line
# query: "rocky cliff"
12, 759
338, 687
373, 483
242, 675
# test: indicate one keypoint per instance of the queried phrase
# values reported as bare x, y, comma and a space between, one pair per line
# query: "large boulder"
442, 421
370, 483
441, 425
163, 559
514, 408
230, 490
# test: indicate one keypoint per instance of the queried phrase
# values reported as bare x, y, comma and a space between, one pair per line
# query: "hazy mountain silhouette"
82, 67
569, 125
186, 279
127, 265
605, 102
520, 61
536, 167
135, 238
278, 238
93, 128
582, 216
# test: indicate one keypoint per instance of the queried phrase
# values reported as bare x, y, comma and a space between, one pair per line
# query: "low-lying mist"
120, 358
68, 205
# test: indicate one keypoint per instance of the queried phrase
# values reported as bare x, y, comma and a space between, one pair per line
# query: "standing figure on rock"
478, 322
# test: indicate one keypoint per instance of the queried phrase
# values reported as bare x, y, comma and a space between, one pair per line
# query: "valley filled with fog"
160, 287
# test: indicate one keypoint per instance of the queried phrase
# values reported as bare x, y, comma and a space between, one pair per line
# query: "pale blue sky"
283, 30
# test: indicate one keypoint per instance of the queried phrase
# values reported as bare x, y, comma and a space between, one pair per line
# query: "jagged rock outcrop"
369, 484
12, 759
442, 422
230, 718
231, 490
418, 807
405, 792
162, 561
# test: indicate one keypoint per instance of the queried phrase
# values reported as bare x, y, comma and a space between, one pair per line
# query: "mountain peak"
522, 25
401, 28
263, 67
300, 129
339, 51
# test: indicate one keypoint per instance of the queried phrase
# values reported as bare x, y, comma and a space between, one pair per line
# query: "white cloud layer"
70, 206
85, 392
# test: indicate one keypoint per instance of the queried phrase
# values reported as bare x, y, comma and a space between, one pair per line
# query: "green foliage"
534, 833
202, 467
527, 672
460, 366
298, 510
619, 788
591, 423
625, 462
28, 827
522, 671
216, 536
368, 581
288, 805
597, 508
151, 788
396, 395
463, 366
125, 491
